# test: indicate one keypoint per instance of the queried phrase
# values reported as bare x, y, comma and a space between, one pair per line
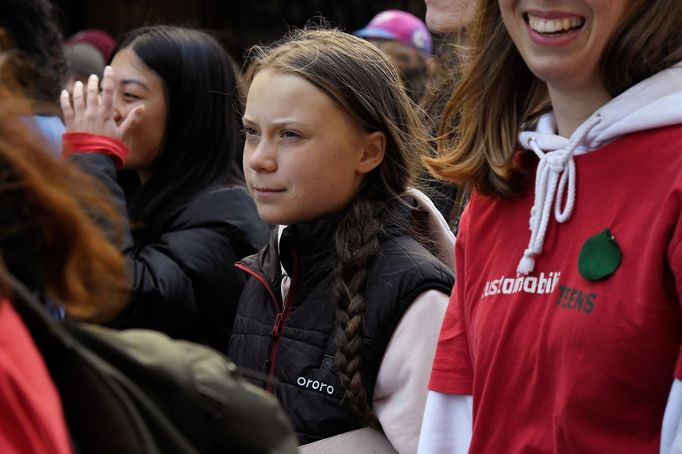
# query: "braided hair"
360, 79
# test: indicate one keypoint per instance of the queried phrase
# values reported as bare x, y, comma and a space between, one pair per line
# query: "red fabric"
83, 142
557, 363
31, 419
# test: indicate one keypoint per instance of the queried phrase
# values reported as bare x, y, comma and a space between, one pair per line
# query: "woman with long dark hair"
167, 117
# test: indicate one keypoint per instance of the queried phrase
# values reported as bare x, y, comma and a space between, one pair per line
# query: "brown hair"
498, 93
363, 82
46, 203
444, 74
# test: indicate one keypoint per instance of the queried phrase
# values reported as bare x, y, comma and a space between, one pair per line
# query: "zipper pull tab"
277, 325
267, 358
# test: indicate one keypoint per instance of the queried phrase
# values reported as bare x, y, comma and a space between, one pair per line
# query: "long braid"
357, 241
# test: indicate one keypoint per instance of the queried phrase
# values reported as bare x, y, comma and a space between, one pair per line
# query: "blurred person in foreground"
49, 243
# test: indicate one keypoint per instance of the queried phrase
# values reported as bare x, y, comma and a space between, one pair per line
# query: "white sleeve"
401, 386
447, 424
671, 432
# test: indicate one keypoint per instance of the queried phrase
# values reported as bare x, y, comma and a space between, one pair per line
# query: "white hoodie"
653, 103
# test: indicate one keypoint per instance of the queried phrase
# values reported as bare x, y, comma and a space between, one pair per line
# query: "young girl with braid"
343, 306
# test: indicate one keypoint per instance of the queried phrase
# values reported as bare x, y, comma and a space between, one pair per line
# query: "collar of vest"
314, 240
313, 244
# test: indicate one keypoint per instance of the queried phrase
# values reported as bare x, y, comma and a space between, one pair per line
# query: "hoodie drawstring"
555, 176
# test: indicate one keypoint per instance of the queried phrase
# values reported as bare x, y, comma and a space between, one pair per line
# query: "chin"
552, 73
272, 218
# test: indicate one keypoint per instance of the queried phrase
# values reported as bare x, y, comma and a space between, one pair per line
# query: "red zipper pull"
277, 326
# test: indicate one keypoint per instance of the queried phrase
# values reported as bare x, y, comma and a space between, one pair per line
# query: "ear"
6, 41
373, 150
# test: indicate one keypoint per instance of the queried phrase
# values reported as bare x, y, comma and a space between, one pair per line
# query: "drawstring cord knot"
555, 178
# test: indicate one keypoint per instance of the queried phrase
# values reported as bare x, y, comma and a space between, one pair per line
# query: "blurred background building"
238, 24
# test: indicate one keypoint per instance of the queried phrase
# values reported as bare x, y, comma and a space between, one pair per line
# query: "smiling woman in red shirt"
566, 338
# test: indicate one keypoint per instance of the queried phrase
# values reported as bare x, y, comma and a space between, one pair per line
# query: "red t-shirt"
555, 362
31, 419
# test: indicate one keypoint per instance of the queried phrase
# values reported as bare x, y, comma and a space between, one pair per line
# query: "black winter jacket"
295, 343
183, 279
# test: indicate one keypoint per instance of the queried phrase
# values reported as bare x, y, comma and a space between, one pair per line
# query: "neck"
571, 107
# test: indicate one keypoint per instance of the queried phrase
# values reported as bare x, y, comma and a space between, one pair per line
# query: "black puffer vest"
294, 342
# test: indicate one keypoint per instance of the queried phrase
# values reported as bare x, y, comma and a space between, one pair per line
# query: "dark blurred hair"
34, 31
47, 238
203, 141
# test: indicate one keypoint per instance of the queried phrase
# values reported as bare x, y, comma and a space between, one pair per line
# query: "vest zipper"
280, 316
280, 320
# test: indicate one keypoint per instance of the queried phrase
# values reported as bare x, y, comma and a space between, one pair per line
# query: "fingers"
107, 99
78, 100
91, 100
131, 120
67, 110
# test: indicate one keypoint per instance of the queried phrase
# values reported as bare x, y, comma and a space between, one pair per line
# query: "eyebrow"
278, 123
134, 82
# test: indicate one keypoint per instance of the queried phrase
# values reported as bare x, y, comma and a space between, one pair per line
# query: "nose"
117, 111
260, 156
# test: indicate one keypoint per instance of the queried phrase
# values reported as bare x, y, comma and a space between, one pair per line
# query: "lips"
265, 190
265, 193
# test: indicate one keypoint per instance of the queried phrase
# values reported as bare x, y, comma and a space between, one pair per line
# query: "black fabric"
308, 385
22, 245
138, 391
181, 264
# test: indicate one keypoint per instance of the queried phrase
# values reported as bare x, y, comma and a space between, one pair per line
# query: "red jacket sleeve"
83, 142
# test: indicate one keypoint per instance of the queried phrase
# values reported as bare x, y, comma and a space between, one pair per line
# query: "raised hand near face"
93, 111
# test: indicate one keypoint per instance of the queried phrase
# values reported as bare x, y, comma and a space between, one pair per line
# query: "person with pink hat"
401, 26
404, 38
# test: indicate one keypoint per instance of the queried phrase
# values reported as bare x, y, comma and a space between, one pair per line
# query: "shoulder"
403, 252
232, 202
228, 209
404, 268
